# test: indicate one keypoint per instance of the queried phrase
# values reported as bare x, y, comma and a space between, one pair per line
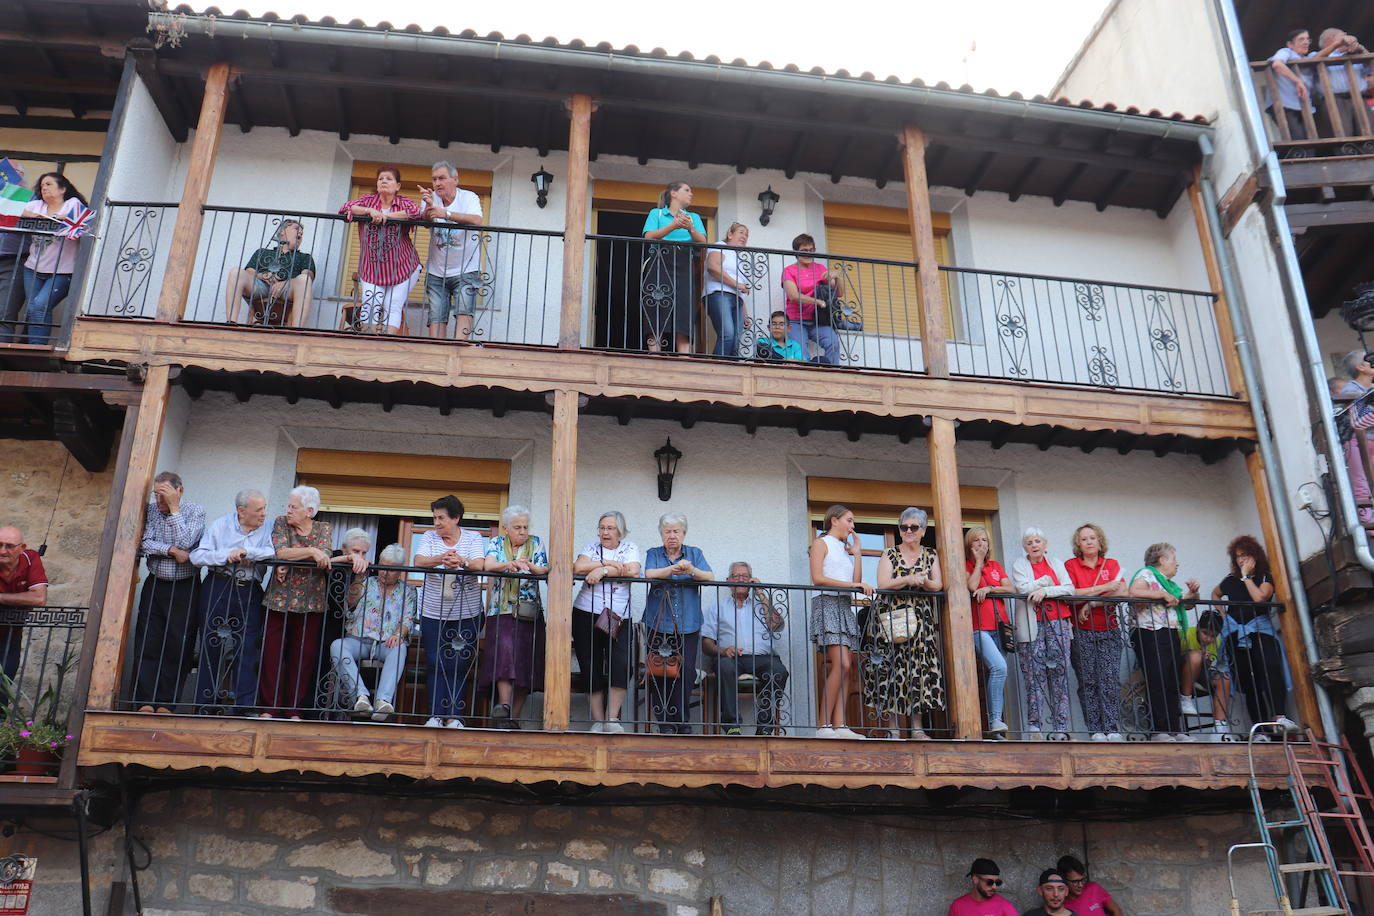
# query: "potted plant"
37, 740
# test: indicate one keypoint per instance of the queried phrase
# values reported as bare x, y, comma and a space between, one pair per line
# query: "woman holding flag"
52, 258
1156, 636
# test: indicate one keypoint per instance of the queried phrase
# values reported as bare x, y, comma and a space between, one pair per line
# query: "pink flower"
69, 737
25, 734
53, 744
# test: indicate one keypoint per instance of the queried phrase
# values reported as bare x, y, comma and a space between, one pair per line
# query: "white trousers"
387, 303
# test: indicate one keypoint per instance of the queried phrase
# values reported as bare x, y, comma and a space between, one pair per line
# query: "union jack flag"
75, 226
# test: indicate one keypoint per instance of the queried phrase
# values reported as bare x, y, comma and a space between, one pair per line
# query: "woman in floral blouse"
295, 604
387, 263
378, 628
514, 655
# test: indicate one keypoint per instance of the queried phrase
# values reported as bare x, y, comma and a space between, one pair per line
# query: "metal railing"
30, 307
1026, 327
39, 650
1330, 119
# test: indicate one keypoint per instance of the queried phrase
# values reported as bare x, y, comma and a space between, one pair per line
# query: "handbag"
1005, 637
665, 660
897, 624
606, 621
838, 313
526, 609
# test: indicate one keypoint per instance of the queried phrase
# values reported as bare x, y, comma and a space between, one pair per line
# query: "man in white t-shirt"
453, 270
741, 632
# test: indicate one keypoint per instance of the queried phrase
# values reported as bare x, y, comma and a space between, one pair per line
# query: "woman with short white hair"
1044, 634
295, 605
378, 627
602, 641
672, 621
513, 661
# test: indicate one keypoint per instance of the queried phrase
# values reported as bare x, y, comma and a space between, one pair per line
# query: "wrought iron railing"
30, 312
39, 650
1033, 328
1329, 119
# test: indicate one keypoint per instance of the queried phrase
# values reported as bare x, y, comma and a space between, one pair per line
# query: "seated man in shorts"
283, 274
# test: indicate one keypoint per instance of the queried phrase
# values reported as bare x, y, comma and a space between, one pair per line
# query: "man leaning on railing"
740, 632
1340, 118
1293, 87
23, 584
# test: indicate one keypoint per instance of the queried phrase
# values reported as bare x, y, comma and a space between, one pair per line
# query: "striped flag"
13, 197
75, 226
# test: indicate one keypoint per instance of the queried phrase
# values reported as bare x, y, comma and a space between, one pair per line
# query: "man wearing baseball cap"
1053, 891
983, 899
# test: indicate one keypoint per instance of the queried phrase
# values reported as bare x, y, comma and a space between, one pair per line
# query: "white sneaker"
1261, 738
1033, 733
454, 723
825, 731
1098, 736
841, 731
362, 704
1115, 736
434, 722
1187, 706
997, 725
1183, 736
612, 726
382, 710
1162, 736
1288, 724
598, 728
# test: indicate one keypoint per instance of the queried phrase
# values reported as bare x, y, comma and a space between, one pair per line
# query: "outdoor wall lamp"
542, 182
769, 199
667, 458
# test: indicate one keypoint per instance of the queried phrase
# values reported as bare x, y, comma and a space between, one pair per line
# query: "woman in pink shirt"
387, 263
52, 258
806, 312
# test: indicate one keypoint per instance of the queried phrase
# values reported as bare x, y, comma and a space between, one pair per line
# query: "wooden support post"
181, 256
934, 332
1227, 333
1308, 713
122, 561
562, 548
961, 667
575, 221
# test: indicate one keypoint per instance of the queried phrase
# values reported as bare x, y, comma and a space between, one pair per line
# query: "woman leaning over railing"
603, 635
1156, 636
991, 625
387, 263
1043, 635
1251, 642
1096, 648
514, 660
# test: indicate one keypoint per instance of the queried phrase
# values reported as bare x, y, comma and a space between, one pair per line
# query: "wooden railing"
1333, 117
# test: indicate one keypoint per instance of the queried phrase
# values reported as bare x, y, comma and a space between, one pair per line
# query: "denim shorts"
456, 295
262, 290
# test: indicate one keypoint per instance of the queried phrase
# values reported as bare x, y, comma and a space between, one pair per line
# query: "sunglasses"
909, 527
994, 882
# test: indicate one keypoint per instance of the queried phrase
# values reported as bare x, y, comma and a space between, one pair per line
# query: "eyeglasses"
909, 527
1075, 880
10, 546
806, 251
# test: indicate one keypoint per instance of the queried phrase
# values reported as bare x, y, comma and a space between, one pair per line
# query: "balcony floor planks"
346, 749
677, 379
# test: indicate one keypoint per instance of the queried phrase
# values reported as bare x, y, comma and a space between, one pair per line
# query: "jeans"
985, 645
345, 653
771, 680
450, 649
456, 295
823, 334
44, 293
231, 619
726, 311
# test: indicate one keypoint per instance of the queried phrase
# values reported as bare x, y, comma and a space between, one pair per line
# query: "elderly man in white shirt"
453, 270
231, 614
740, 633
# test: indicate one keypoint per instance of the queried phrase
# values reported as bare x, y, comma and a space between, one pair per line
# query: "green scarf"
510, 588
1173, 588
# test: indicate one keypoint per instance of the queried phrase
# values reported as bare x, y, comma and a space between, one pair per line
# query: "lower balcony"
246, 695
40, 649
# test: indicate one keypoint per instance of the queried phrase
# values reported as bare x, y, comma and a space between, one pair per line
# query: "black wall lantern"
542, 182
667, 458
769, 199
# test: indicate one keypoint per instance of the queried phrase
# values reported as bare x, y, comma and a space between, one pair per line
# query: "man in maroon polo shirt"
23, 584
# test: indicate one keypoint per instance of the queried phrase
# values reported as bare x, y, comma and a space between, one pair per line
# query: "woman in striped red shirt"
387, 263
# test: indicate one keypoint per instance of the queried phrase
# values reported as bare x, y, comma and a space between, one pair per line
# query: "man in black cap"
983, 899
1053, 891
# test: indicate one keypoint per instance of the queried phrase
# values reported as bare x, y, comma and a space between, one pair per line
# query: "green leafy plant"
45, 729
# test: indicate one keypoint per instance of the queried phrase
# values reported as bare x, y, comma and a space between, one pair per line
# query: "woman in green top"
668, 281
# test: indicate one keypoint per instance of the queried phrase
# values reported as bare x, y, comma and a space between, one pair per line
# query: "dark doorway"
616, 315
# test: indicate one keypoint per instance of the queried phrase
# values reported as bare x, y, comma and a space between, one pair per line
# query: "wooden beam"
122, 562
29, 83
961, 667
181, 255
562, 549
934, 334
13, 380
1304, 689
146, 63
575, 221
1340, 213
1330, 172
1225, 330
84, 425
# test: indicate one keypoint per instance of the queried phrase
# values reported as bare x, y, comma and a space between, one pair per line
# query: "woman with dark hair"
387, 263
807, 313
52, 258
667, 284
1249, 637
450, 609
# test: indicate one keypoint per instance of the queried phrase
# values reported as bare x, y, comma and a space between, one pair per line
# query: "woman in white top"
450, 610
724, 292
836, 561
602, 640
1044, 635
1158, 627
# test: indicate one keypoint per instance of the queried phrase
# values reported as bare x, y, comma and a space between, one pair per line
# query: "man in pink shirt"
1086, 898
983, 899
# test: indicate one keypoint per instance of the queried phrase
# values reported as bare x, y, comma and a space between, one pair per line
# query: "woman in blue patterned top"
514, 656
667, 284
672, 619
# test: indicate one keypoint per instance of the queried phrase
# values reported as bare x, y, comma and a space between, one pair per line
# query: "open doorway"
616, 312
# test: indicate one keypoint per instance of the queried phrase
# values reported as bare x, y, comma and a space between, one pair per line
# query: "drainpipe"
1278, 498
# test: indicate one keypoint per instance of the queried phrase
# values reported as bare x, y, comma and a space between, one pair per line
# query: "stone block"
386, 835
443, 841
505, 873
195, 804
350, 858
289, 895
674, 823
587, 850
684, 909
560, 876
647, 850
630, 877
153, 911
456, 817
599, 880
674, 882
694, 857
288, 824
235, 818
503, 824
399, 817
219, 888
553, 818
345, 821
161, 840
441, 872
218, 849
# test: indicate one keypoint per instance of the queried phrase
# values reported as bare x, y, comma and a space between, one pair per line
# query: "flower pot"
31, 761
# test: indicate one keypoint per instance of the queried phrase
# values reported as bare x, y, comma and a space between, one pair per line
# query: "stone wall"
37, 474
237, 851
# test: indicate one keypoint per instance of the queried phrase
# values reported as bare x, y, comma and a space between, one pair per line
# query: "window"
413, 177
888, 295
381, 483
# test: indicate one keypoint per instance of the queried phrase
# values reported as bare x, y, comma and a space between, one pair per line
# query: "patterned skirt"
904, 678
833, 622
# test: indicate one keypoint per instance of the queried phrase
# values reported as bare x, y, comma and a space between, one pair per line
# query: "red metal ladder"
1331, 766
